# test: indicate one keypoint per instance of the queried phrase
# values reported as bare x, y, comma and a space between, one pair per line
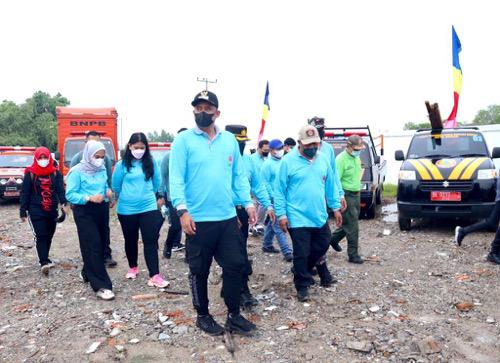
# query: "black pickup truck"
374, 168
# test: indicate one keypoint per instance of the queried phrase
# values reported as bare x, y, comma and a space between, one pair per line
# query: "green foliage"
390, 190
163, 136
32, 123
416, 125
489, 116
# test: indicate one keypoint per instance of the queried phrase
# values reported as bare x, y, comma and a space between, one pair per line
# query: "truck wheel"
370, 212
404, 223
378, 197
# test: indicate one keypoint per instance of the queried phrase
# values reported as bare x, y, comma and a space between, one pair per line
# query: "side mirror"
377, 159
57, 155
496, 153
399, 156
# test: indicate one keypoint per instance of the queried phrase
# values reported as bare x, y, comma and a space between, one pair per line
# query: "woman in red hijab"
42, 191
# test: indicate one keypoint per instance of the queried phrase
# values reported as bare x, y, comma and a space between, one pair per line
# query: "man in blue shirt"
258, 190
268, 174
305, 180
258, 159
206, 174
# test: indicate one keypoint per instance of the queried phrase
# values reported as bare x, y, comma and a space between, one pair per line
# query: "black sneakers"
459, 235
236, 323
356, 259
209, 325
109, 262
335, 245
270, 250
326, 278
495, 258
302, 295
288, 257
247, 300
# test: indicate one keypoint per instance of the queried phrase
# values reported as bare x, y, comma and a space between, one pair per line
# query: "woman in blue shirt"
87, 189
136, 180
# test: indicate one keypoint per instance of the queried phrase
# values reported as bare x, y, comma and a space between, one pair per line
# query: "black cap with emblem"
239, 131
206, 96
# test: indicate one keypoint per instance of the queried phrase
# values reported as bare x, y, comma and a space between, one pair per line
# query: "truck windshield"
340, 145
447, 145
15, 161
73, 147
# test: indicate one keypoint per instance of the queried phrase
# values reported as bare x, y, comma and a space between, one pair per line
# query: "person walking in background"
94, 135
258, 159
288, 145
305, 180
258, 190
174, 236
136, 180
349, 170
88, 191
205, 170
268, 175
42, 192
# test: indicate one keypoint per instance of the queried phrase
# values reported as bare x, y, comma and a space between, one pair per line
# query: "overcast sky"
352, 62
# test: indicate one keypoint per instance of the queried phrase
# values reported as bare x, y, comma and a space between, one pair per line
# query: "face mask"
356, 153
279, 154
265, 154
321, 133
97, 162
43, 163
138, 153
310, 152
242, 146
203, 119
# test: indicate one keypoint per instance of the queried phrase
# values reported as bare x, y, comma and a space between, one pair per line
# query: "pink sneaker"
158, 281
132, 273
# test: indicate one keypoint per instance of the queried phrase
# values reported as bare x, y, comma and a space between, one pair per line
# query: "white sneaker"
105, 294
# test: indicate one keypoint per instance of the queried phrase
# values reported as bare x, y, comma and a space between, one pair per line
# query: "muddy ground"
419, 298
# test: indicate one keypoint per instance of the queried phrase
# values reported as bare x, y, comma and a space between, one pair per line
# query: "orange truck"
74, 123
13, 162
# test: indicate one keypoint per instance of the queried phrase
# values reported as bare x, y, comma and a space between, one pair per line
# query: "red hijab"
36, 169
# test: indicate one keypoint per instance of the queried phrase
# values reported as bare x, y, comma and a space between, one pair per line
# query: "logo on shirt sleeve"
324, 179
230, 160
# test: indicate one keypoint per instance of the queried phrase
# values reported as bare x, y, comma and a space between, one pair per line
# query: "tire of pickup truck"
404, 223
378, 195
372, 211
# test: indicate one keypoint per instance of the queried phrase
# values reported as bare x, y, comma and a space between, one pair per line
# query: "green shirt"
349, 170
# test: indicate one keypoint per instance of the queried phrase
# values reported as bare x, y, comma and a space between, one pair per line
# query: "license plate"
446, 196
12, 194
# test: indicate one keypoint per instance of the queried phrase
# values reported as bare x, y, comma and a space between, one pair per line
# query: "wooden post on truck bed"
434, 115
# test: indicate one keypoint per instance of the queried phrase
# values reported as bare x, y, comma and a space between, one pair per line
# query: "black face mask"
203, 119
321, 133
242, 145
265, 154
310, 152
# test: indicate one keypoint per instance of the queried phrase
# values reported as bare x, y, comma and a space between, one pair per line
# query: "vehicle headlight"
19, 181
3, 181
407, 175
484, 174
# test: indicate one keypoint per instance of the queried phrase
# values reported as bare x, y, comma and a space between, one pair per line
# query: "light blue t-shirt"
257, 188
135, 193
327, 150
301, 188
204, 174
80, 185
268, 173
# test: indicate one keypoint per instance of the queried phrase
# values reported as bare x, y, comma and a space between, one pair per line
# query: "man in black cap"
206, 168
289, 144
259, 192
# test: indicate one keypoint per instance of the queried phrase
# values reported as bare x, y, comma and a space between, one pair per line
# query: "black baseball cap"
239, 131
206, 96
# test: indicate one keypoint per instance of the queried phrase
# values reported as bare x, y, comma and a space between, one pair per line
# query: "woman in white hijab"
87, 190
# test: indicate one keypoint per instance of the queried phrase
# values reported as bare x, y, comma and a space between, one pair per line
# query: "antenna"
206, 80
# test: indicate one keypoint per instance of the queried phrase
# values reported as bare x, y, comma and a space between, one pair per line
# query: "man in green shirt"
349, 170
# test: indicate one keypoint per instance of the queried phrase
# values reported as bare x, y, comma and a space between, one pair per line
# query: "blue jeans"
275, 230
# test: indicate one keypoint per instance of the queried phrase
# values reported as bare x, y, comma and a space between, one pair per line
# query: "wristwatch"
180, 212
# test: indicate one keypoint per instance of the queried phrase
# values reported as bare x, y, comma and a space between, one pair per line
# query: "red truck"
13, 161
74, 123
158, 150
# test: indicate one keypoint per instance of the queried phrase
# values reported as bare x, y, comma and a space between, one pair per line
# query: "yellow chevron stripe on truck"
422, 171
436, 174
455, 174
472, 168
